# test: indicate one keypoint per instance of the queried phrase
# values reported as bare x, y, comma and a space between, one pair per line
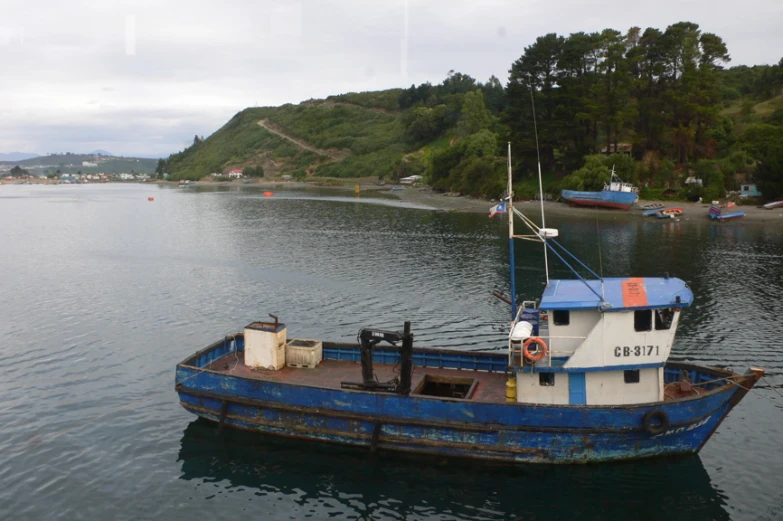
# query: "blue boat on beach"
583, 376
616, 194
717, 212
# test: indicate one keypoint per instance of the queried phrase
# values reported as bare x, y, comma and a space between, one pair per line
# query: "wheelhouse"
598, 342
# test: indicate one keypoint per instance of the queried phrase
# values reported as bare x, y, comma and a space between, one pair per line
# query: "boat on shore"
651, 206
583, 376
669, 213
616, 194
773, 205
717, 212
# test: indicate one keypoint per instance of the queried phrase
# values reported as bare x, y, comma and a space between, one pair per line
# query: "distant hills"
69, 163
16, 156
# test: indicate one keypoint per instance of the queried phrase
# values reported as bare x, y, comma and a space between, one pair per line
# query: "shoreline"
696, 212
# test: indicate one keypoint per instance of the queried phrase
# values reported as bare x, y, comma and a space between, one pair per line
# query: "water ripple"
104, 292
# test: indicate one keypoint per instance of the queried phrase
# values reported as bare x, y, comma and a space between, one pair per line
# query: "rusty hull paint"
444, 426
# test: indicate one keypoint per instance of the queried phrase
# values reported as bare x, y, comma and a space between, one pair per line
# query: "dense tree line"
659, 92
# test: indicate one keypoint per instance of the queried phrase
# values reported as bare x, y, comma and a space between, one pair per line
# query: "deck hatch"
446, 386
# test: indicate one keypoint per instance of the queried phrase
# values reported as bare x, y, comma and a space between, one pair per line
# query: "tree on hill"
18, 171
161, 168
494, 95
765, 143
474, 115
253, 171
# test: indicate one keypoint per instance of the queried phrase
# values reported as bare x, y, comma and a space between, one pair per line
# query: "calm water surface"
103, 292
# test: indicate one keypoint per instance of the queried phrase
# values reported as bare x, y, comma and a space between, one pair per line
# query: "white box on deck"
265, 345
304, 353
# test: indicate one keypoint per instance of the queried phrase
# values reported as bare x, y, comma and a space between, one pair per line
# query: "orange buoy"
538, 353
267, 194
150, 198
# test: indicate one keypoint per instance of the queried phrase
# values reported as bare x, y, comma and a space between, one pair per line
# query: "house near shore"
411, 179
749, 191
236, 174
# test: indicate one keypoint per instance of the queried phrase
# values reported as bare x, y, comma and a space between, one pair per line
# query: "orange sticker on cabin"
634, 294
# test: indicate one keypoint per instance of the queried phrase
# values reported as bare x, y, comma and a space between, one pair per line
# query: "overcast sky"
142, 77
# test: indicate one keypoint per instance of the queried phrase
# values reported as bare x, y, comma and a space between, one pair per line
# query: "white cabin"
617, 185
607, 341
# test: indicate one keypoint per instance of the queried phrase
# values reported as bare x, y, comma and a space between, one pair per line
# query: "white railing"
512, 351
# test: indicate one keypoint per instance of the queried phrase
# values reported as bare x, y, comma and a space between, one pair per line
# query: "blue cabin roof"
625, 293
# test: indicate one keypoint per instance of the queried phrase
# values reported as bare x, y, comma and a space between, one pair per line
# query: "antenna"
540, 183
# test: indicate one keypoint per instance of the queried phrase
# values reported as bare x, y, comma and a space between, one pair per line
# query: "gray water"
103, 292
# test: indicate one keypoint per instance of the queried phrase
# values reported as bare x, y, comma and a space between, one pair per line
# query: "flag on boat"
498, 208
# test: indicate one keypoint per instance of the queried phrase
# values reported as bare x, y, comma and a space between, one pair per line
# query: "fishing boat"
773, 205
669, 213
616, 194
582, 376
186, 182
717, 212
651, 206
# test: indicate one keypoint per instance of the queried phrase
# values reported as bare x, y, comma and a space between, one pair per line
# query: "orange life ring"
539, 354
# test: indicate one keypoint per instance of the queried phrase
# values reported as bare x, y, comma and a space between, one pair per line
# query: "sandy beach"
693, 211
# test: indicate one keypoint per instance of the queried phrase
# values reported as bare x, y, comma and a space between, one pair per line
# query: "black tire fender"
656, 422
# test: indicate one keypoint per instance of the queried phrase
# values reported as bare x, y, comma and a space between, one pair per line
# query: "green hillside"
332, 138
658, 105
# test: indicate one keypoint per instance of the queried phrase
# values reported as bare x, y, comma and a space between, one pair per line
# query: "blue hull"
605, 198
453, 427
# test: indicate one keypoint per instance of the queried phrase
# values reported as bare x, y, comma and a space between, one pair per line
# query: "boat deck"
490, 386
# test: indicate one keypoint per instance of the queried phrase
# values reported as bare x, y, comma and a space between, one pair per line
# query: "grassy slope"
370, 138
760, 110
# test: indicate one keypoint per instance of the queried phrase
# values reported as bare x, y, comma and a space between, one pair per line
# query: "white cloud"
195, 63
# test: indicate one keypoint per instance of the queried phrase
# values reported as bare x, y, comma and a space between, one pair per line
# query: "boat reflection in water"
319, 480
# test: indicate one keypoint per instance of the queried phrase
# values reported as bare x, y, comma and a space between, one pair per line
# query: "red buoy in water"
150, 198
267, 194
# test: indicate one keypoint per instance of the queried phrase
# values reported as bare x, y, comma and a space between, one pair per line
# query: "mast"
510, 211
540, 183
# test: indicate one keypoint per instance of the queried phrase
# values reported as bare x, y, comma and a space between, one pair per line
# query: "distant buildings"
234, 174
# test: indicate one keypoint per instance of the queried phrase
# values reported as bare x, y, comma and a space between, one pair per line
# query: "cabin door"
577, 395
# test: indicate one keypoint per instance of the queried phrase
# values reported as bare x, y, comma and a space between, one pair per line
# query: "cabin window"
664, 318
642, 320
631, 376
561, 317
547, 379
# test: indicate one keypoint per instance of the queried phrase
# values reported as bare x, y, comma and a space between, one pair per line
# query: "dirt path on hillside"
332, 153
